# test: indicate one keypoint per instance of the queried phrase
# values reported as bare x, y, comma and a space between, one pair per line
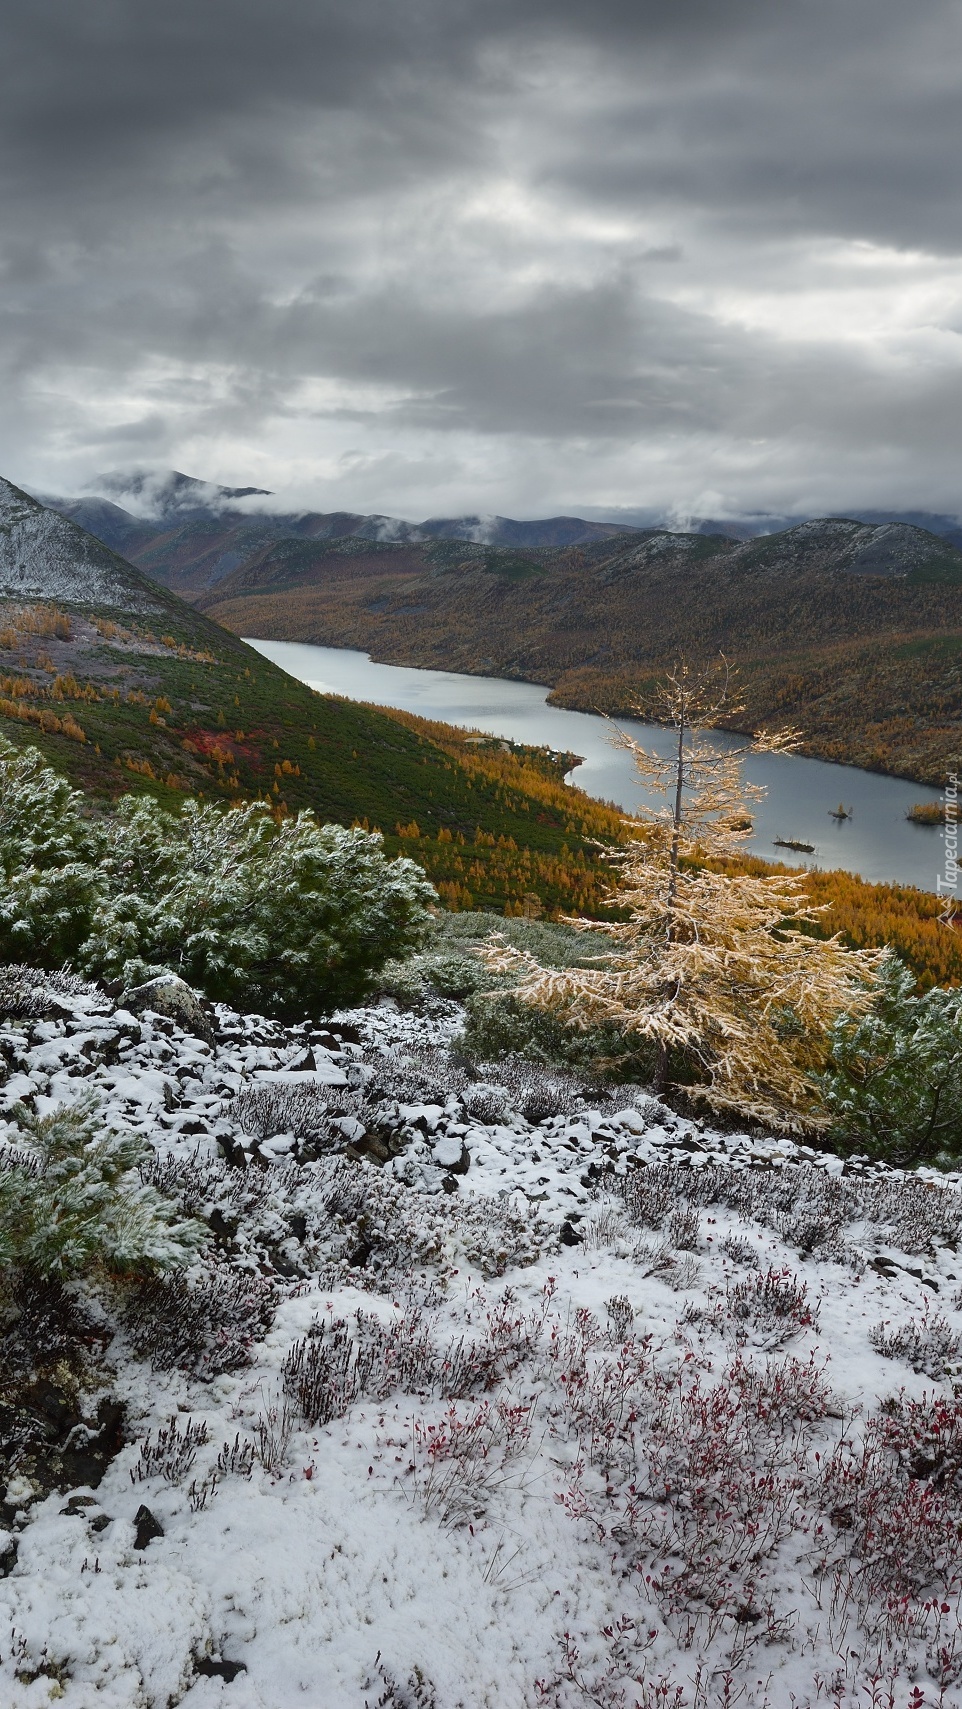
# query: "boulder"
170, 996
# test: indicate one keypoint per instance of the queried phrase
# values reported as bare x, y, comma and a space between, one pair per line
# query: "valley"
850, 632
126, 688
849, 629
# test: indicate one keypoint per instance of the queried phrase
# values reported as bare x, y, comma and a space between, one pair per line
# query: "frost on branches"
292, 916
715, 968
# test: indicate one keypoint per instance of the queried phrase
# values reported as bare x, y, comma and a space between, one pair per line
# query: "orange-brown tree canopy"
713, 968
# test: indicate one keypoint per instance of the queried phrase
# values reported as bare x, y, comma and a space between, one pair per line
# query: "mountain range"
192, 534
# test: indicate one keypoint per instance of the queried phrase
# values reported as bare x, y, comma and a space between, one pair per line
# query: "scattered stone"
452, 1154
146, 1527
170, 996
210, 1668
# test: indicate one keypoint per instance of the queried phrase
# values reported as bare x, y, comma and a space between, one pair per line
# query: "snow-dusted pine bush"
71, 1198
289, 917
894, 1082
46, 861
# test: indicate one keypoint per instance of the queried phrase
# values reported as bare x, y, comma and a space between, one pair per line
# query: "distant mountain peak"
44, 555
163, 493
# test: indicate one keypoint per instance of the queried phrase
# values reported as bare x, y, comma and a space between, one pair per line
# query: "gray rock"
170, 996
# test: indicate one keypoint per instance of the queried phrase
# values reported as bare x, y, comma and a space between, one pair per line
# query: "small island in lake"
926, 813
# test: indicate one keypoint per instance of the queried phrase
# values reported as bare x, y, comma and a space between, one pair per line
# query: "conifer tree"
894, 1079
71, 1199
714, 967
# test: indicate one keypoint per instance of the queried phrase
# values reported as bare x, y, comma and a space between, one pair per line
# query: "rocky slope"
486, 1391
44, 555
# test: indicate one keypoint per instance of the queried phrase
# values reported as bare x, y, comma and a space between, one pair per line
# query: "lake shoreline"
877, 843
572, 702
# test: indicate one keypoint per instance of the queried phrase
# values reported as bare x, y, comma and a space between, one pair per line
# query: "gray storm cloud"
419, 255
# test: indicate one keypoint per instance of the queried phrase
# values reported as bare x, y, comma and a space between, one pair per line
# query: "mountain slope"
125, 687
45, 555
851, 630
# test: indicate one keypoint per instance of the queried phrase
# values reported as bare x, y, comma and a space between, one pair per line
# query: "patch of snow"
45, 556
367, 1552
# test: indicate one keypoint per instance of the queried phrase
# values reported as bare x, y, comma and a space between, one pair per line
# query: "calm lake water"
877, 841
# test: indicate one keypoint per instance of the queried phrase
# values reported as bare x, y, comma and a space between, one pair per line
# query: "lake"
877, 841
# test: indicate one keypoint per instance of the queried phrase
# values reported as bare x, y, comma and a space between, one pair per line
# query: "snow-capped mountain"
45, 555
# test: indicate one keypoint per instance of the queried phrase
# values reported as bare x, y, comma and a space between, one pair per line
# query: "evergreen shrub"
894, 1081
287, 917
72, 1200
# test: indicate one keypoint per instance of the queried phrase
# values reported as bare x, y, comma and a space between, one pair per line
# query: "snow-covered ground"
588, 1405
45, 556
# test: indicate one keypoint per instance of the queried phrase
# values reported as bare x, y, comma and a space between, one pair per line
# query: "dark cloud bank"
425, 255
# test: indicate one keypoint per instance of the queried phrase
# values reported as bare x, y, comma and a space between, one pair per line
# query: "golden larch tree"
713, 966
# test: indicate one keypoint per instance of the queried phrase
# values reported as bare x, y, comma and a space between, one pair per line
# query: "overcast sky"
429, 256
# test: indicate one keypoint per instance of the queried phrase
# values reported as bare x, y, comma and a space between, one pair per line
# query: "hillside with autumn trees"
849, 630
125, 688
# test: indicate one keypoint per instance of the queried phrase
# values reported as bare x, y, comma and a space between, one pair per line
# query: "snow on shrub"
339, 1362
71, 1199
27, 994
806, 1206
457, 1462
770, 1309
334, 1217
287, 917
930, 1345
893, 1502
205, 1323
303, 1111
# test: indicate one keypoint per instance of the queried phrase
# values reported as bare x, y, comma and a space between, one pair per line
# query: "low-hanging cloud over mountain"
520, 258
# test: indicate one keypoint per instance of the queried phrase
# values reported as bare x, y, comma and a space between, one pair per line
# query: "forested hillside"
124, 687
852, 631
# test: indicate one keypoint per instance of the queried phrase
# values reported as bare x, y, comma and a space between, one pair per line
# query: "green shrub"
287, 917
549, 942
894, 1083
432, 973
47, 862
71, 1200
284, 917
497, 1026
